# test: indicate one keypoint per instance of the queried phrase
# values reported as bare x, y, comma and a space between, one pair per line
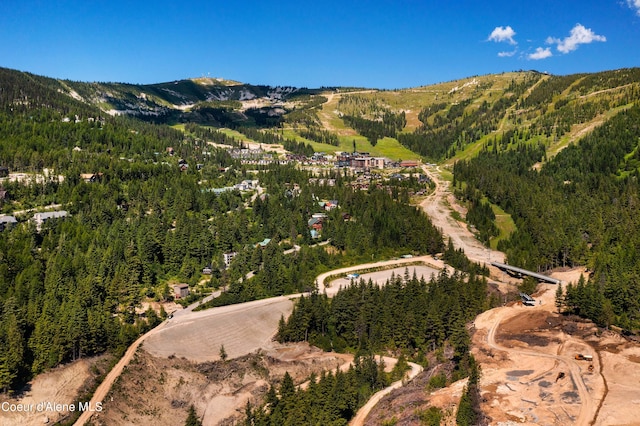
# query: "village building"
180, 291
7, 221
228, 257
409, 164
40, 218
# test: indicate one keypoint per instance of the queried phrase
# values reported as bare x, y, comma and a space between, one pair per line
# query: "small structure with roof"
180, 291
263, 243
7, 221
40, 218
527, 300
228, 257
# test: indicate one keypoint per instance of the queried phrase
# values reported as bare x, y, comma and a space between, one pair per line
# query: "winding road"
438, 207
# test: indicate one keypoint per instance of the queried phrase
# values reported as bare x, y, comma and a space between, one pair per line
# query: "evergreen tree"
192, 417
559, 298
223, 353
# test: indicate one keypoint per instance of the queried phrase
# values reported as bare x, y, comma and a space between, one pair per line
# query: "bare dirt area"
529, 374
159, 391
406, 404
439, 206
620, 360
48, 397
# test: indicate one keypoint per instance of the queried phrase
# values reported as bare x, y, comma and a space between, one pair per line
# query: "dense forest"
407, 315
330, 399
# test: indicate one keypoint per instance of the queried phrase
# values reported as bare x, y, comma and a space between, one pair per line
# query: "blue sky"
377, 43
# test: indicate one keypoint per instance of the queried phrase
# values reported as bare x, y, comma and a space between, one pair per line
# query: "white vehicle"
352, 276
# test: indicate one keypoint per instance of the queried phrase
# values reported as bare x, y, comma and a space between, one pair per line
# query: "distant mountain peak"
215, 81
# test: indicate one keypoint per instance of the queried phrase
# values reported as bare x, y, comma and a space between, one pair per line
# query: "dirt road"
101, 392
364, 411
439, 206
333, 289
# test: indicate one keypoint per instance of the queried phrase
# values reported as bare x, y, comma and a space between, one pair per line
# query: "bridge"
519, 272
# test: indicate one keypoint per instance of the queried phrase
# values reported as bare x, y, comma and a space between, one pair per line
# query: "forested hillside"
407, 316
581, 208
143, 221
152, 215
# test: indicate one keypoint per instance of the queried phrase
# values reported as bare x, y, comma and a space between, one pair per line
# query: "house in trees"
330, 205
228, 257
315, 223
40, 218
7, 222
90, 177
263, 243
180, 291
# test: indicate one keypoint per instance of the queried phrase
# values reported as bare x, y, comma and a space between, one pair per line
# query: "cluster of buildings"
253, 156
357, 161
245, 185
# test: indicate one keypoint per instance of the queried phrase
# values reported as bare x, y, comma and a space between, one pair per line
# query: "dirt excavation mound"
159, 391
540, 367
48, 397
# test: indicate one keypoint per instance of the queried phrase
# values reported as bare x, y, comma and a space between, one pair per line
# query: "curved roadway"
436, 207
169, 328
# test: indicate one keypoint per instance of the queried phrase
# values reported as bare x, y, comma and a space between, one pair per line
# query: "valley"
214, 256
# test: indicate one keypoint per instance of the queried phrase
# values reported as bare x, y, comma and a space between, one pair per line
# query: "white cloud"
579, 35
500, 34
540, 53
634, 4
507, 54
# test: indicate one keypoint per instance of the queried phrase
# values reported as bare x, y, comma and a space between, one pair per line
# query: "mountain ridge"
448, 120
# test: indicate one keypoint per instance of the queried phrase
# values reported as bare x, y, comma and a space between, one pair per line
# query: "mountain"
446, 120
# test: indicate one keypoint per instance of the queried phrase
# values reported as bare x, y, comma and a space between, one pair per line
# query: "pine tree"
192, 417
223, 353
559, 298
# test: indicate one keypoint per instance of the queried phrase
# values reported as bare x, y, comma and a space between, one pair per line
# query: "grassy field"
505, 224
235, 134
